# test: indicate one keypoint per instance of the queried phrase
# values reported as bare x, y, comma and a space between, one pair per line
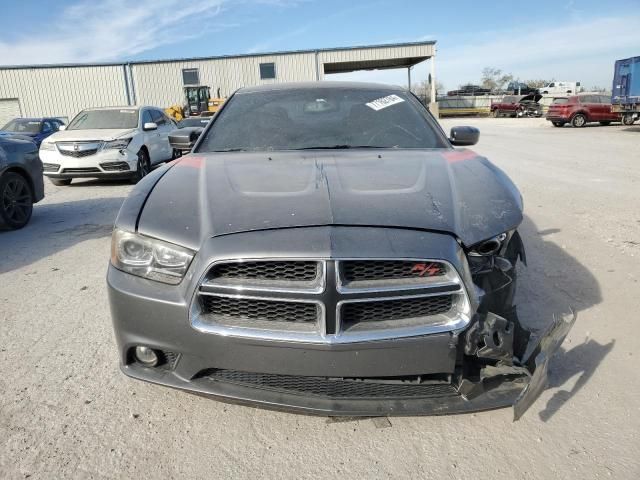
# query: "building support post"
409, 78
433, 104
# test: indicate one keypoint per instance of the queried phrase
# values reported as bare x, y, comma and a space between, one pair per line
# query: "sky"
569, 40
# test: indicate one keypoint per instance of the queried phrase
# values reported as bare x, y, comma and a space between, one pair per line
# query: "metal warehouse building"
64, 90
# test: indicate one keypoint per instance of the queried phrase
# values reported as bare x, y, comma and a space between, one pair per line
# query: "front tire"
61, 182
627, 119
16, 201
495, 113
143, 166
579, 120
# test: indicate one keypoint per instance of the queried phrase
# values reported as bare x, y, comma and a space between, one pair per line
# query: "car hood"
97, 134
454, 191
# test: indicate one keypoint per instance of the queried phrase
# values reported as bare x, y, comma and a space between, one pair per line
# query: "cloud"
582, 50
106, 30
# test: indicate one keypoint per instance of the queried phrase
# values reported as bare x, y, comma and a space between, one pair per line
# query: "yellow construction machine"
198, 102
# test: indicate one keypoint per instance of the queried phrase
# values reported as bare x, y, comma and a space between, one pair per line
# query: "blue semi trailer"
625, 94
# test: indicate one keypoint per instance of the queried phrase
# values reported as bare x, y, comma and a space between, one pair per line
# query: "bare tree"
537, 83
494, 79
422, 90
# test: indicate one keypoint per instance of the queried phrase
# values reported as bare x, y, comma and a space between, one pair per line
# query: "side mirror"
463, 136
62, 127
185, 138
150, 126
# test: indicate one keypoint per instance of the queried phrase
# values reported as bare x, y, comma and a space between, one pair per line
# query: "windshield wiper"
231, 150
339, 147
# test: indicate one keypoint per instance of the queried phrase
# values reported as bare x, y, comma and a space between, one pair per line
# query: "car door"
151, 138
164, 127
607, 114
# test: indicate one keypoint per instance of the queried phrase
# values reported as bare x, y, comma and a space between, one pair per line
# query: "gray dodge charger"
325, 249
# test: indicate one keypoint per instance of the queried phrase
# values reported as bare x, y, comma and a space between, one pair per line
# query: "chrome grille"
246, 309
380, 311
330, 301
78, 149
302, 271
362, 270
78, 154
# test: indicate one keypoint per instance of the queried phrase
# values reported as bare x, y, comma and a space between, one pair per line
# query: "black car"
21, 182
469, 90
325, 249
194, 122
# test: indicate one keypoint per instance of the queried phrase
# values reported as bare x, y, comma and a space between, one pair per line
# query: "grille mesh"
81, 170
332, 387
78, 153
272, 270
252, 309
368, 270
358, 312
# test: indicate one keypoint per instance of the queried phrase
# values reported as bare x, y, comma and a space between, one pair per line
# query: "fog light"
146, 356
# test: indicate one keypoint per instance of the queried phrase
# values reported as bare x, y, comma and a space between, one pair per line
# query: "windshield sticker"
384, 102
34, 123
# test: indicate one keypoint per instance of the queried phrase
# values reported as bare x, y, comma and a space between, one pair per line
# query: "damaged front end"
496, 348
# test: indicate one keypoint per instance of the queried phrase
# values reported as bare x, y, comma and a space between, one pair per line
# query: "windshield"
326, 117
103, 119
21, 125
193, 122
559, 101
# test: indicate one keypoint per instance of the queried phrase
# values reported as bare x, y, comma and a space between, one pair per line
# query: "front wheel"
495, 113
627, 119
16, 201
143, 166
579, 120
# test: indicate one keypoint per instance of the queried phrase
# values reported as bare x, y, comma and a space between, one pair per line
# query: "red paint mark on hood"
459, 155
191, 161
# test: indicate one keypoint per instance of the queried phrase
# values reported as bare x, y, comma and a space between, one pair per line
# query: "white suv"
114, 142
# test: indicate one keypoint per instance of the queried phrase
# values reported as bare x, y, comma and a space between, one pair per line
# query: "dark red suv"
579, 110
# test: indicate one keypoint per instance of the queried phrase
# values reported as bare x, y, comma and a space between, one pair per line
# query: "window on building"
190, 76
267, 71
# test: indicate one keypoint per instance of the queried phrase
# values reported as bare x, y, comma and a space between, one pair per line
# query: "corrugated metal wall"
161, 83
63, 91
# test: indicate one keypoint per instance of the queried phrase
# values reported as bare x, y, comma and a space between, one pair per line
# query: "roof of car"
319, 85
123, 107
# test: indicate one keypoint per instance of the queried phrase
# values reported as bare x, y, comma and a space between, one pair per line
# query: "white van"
560, 88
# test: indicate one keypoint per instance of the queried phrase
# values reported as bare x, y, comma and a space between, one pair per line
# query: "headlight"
119, 144
149, 258
489, 247
47, 146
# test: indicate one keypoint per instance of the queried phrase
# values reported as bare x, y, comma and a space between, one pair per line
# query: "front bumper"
417, 375
109, 163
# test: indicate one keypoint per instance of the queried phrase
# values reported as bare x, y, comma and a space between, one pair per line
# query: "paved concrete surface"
67, 412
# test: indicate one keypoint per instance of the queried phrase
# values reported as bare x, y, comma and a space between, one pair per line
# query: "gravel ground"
67, 412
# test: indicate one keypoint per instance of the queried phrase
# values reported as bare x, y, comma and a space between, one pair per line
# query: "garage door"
9, 108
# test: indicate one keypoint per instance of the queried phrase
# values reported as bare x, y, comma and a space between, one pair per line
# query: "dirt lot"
67, 411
